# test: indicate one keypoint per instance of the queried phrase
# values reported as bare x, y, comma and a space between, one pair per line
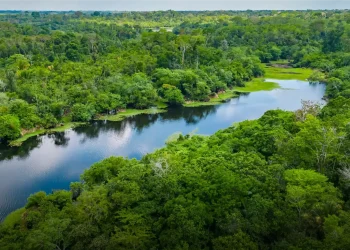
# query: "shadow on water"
94, 129
190, 115
22, 152
141, 122
52, 161
60, 139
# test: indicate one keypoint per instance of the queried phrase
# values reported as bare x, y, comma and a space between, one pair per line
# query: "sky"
148, 5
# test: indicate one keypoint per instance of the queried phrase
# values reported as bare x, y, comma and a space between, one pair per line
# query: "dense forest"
63, 67
279, 182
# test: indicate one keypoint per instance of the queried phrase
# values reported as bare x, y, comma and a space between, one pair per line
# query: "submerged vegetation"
279, 182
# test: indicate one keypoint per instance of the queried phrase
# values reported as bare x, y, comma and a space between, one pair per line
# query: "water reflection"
60, 139
8, 153
191, 116
53, 161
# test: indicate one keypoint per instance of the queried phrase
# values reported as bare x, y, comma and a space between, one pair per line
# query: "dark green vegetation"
274, 183
72, 67
280, 182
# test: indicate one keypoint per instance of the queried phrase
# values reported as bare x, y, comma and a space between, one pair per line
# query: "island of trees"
279, 182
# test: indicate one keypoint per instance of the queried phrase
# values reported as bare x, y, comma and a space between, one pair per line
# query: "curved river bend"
51, 162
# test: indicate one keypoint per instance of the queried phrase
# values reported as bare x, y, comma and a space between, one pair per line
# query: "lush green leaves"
279, 182
9, 127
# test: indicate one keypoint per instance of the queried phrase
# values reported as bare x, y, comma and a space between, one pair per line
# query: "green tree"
25, 112
312, 196
172, 95
82, 112
9, 127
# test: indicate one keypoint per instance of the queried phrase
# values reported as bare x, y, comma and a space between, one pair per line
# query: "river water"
51, 162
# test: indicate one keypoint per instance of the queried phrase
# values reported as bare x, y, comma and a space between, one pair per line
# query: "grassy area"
18, 142
213, 101
161, 105
130, 112
198, 104
66, 126
257, 84
287, 73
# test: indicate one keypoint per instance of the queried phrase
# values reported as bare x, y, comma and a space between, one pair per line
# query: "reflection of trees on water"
60, 139
141, 122
22, 152
95, 128
89, 131
92, 131
190, 115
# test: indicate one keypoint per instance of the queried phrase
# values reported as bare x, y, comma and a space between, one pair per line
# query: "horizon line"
204, 10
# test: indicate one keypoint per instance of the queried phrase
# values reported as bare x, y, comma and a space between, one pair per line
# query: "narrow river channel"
51, 162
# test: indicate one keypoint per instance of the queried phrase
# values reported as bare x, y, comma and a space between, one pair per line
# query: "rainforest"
270, 173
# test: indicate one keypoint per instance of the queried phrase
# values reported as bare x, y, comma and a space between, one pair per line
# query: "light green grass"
228, 94
287, 73
213, 101
130, 112
66, 126
18, 142
161, 104
198, 104
257, 84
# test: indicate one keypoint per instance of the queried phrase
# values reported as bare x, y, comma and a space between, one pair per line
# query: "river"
51, 162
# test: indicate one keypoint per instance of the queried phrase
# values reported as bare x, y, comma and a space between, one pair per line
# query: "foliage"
82, 112
59, 64
172, 95
9, 127
259, 184
279, 182
257, 85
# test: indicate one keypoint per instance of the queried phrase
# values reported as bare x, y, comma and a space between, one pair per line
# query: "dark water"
51, 162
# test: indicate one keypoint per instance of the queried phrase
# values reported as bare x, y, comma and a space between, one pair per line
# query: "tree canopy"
279, 182
54, 64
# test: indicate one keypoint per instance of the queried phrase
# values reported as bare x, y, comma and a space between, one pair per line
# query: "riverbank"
282, 73
63, 127
257, 84
220, 98
69, 125
130, 112
67, 155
